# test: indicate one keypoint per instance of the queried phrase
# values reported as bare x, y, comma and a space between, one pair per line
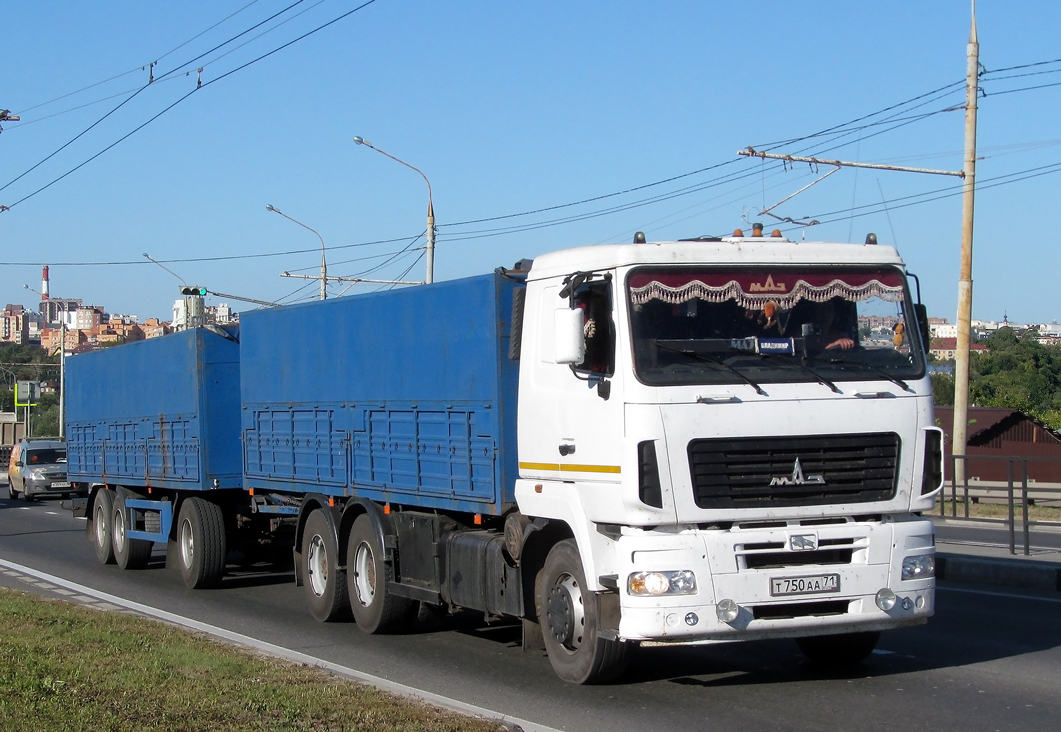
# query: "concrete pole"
62, 375
965, 281
429, 274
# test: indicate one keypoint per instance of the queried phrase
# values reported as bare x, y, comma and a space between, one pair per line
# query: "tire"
569, 619
11, 492
838, 651
199, 547
128, 553
102, 506
324, 583
375, 609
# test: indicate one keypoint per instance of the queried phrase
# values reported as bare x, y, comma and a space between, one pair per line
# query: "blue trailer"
150, 424
404, 397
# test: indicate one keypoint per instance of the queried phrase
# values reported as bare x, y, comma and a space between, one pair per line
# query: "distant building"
945, 348
994, 434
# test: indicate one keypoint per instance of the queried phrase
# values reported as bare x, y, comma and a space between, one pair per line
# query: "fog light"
919, 602
885, 599
727, 610
907, 604
921, 566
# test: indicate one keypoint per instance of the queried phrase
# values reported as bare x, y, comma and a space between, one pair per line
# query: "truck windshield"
778, 324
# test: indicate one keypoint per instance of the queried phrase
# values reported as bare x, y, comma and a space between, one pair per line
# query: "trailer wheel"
375, 609
199, 548
102, 505
128, 553
569, 619
325, 583
838, 651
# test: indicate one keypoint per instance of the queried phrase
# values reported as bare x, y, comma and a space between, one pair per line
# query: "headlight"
679, 582
921, 566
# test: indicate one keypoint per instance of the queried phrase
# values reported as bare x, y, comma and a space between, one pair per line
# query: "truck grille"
811, 470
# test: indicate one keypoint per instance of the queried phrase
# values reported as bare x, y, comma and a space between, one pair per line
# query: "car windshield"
46, 456
779, 324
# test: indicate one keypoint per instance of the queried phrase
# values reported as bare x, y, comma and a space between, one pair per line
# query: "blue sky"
510, 107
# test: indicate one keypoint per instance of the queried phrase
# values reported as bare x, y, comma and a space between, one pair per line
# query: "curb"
1008, 572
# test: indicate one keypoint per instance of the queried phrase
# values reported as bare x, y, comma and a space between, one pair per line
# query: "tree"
1017, 373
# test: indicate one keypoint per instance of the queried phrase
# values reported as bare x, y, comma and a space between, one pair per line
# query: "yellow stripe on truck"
571, 468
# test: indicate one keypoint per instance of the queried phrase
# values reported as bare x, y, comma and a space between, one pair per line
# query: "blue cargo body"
161, 413
405, 397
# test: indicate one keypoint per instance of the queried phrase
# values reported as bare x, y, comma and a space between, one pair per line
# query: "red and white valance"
753, 289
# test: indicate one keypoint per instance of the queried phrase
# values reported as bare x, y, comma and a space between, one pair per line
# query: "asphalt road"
987, 661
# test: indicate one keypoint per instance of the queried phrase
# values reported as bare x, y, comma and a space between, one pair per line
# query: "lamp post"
324, 262
62, 362
429, 276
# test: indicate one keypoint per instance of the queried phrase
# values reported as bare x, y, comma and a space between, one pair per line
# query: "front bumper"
741, 564
50, 485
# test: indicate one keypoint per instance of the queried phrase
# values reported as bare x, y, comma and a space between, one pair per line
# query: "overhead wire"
178, 101
140, 67
122, 104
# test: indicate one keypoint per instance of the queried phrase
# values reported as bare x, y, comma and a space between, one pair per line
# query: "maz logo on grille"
797, 477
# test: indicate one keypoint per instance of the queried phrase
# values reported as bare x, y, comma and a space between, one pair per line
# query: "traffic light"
195, 290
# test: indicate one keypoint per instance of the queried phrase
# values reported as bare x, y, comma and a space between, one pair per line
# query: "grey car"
38, 468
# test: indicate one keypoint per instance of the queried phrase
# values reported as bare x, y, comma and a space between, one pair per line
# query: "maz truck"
655, 443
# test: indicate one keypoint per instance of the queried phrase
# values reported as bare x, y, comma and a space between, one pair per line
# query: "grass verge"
68, 667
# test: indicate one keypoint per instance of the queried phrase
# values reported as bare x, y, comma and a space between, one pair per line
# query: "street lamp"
324, 263
62, 361
430, 259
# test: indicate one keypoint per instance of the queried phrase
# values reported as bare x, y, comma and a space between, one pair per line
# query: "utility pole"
959, 432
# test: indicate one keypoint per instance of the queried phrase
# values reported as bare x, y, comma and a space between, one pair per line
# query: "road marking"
107, 601
995, 594
51, 513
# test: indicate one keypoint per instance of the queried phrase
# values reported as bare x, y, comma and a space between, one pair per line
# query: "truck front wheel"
102, 505
325, 583
838, 651
375, 609
569, 616
128, 553
199, 547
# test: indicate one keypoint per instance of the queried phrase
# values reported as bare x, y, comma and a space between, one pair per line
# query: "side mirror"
570, 344
19, 464
921, 312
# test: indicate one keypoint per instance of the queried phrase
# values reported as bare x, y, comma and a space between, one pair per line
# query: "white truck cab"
739, 435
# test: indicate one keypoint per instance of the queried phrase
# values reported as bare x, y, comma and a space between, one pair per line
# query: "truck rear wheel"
128, 553
569, 616
838, 651
102, 505
325, 583
375, 609
199, 547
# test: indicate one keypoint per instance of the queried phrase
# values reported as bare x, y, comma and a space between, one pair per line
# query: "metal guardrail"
1015, 491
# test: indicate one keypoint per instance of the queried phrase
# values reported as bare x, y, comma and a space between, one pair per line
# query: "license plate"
61, 484
813, 584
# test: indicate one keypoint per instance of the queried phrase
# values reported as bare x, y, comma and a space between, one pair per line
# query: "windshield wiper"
846, 362
716, 361
803, 367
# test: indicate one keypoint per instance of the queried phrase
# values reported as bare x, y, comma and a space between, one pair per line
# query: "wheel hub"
559, 615
187, 544
364, 575
564, 614
317, 565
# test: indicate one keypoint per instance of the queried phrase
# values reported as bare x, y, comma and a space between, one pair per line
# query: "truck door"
571, 416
